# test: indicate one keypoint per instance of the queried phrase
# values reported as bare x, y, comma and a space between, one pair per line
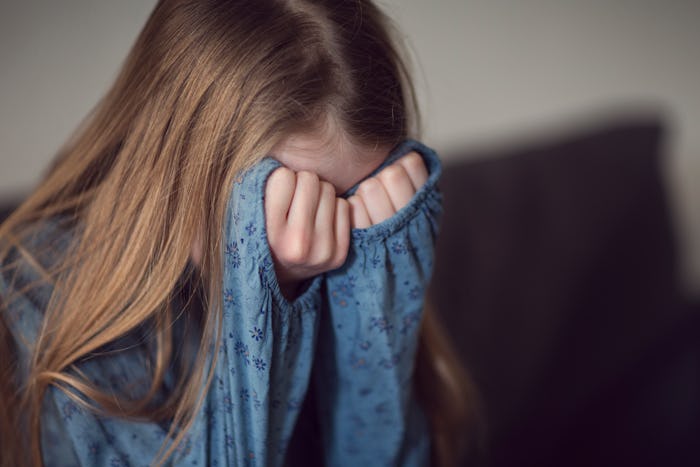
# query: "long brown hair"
206, 91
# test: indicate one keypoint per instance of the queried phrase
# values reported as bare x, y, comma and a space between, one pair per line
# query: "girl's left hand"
380, 197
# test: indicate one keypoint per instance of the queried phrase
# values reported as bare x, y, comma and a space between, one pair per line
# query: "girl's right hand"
308, 228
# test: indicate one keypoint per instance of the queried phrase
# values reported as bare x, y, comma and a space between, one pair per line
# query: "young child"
241, 219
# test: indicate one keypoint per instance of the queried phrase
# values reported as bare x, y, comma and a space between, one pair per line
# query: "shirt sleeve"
70, 434
372, 309
267, 343
259, 379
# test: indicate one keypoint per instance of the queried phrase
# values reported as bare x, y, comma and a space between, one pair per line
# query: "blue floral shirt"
352, 334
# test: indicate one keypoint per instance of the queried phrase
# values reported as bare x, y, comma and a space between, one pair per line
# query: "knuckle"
296, 248
307, 177
369, 187
394, 174
327, 252
413, 162
279, 185
294, 256
281, 175
412, 159
327, 189
279, 179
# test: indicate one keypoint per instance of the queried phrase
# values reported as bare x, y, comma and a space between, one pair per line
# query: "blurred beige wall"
501, 71
56, 60
489, 71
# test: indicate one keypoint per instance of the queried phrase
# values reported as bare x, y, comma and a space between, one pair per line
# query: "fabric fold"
372, 309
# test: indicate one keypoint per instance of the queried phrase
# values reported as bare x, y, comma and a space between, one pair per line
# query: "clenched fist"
380, 197
308, 227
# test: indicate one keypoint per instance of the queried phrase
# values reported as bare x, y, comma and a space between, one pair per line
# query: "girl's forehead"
332, 157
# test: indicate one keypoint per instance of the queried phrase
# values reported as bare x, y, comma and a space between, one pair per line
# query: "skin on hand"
380, 197
308, 227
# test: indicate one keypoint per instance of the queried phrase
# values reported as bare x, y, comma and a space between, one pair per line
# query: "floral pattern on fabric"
354, 328
372, 307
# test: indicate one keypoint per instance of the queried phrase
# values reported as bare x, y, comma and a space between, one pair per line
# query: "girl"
172, 295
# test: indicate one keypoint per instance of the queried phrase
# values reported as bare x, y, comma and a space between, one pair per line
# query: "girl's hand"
380, 197
308, 228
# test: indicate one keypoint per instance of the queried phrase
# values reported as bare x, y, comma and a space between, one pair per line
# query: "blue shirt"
352, 334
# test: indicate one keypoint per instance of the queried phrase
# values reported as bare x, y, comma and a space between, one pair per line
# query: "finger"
302, 212
415, 168
324, 237
376, 200
279, 192
326, 207
397, 184
342, 232
358, 213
